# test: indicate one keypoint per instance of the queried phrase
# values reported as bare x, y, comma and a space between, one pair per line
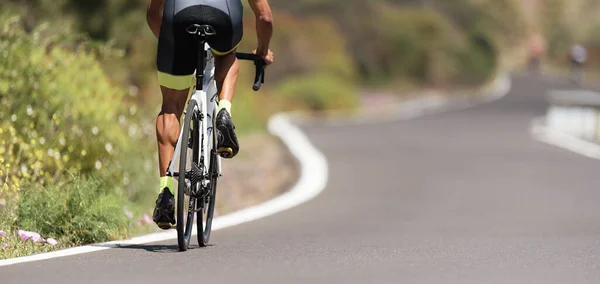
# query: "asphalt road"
459, 197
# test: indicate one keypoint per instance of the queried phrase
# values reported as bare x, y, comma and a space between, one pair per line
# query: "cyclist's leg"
227, 21
226, 17
226, 73
167, 133
168, 125
176, 64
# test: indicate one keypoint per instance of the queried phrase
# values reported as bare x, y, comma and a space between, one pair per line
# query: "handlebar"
259, 77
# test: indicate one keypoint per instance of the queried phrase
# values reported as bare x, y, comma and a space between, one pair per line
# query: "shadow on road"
156, 248
152, 248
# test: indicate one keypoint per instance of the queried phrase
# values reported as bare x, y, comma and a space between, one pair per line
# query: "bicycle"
199, 159
576, 72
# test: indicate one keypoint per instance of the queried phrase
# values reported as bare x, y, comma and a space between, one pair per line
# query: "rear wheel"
189, 175
206, 205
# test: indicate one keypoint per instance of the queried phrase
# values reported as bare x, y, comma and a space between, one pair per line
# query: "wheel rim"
204, 221
186, 205
208, 210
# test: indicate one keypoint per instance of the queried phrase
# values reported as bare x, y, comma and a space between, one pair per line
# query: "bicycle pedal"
225, 152
165, 225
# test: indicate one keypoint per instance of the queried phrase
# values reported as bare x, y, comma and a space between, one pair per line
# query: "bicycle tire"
185, 225
208, 204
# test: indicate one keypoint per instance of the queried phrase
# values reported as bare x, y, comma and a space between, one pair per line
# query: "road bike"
576, 72
199, 164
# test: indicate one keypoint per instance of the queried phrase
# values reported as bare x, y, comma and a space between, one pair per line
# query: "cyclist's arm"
154, 15
264, 25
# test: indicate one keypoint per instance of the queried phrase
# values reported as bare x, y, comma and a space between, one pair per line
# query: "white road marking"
540, 132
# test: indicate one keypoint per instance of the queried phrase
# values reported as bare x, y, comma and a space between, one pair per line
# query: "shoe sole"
165, 225
227, 152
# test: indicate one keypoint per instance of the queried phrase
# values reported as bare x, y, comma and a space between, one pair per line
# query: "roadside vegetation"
67, 150
79, 95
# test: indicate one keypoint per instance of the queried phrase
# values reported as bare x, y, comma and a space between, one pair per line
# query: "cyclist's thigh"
225, 16
176, 56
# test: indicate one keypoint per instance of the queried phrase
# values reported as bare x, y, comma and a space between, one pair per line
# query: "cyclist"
578, 56
176, 63
535, 48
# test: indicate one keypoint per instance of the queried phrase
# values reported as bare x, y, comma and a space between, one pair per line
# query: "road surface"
459, 197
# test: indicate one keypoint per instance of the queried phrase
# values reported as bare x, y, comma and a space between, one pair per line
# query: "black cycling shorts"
177, 51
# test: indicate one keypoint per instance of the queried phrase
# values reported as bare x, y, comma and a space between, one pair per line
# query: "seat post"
201, 40
200, 32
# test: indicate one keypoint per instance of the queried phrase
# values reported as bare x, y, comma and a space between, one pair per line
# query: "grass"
11, 243
76, 211
16, 248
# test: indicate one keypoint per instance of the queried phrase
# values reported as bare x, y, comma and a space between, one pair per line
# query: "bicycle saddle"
201, 30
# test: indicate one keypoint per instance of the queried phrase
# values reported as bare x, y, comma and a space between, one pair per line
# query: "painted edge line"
539, 131
312, 181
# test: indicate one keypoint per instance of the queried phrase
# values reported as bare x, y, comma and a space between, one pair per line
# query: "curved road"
458, 197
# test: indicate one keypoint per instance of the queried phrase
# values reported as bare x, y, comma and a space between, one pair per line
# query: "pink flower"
37, 238
25, 235
2, 233
52, 241
2, 203
4, 245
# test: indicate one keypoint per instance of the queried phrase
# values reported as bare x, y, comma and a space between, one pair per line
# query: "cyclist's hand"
268, 57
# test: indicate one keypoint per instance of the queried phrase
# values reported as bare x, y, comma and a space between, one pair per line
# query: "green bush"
420, 45
318, 92
559, 41
502, 19
79, 210
57, 109
59, 112
478, 60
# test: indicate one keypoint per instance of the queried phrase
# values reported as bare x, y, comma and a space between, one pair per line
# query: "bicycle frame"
205, 96
206, 99
201, 180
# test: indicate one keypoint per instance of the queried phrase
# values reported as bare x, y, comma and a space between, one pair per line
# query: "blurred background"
79, 93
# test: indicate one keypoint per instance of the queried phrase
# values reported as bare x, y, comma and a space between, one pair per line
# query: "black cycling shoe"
164, 212
227, 143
